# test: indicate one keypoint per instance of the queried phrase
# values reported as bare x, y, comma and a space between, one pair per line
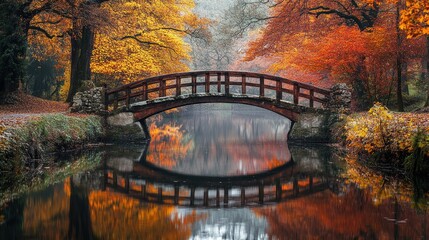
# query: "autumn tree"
415, 23
145, 38
15, 23
293, 25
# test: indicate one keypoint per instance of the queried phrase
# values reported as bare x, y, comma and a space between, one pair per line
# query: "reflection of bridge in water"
150, 183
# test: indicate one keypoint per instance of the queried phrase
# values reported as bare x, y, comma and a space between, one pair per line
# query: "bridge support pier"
145, 129
313, 127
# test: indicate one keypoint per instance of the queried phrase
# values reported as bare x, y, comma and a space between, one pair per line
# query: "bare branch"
39, 29
147, 43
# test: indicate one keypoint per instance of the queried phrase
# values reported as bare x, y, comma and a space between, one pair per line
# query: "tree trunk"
80, 226
400, 102
427, 71
404, 76
81, 52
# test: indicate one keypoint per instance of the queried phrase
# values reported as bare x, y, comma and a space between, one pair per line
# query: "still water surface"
200, 177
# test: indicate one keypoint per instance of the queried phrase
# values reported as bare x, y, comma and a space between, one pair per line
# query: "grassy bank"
25, 150
397, 139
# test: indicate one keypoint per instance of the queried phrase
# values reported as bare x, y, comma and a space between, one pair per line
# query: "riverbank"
25, 148
397, 139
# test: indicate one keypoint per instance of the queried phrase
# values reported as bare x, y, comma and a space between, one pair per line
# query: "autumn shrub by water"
398, 139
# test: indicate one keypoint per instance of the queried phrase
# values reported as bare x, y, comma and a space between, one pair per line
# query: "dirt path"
28, 108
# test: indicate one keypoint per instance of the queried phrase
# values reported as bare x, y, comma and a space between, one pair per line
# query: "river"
218, 171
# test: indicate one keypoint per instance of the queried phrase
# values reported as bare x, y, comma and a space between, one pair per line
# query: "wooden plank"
311, 98
261, 87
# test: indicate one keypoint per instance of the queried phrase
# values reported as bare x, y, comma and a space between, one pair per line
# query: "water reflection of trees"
384, 187
71, 211
350, 216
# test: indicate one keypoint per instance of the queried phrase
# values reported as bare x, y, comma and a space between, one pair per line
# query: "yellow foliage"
415, 18
145, 38
380, 130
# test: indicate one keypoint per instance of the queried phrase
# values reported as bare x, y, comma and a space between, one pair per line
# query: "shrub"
385, 134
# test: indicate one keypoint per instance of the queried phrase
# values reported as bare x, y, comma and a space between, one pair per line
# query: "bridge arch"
156, 94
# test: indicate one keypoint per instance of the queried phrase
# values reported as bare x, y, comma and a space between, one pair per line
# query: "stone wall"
91, 101
340, 99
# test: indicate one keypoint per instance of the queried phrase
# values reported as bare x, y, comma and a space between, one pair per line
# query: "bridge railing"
217, 82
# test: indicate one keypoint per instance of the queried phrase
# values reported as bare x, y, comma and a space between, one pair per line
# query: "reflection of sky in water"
207, 140
227, 224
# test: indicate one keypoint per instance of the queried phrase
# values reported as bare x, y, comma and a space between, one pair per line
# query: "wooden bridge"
156, 94
150, 183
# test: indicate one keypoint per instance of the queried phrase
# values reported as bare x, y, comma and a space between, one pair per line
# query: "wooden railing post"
219, 75
115, 100
160, 195
217, 197
162, 88
261, 193
243, 196
207, 78
295, 93
145, 95
127, 99
178, 86
176, 194
105, 97
143, 191
243, 84
261, 87
194, 84
206, 197
226, 83
278, 190
192, 197
295, 187
311, 98
127, 184
278, 90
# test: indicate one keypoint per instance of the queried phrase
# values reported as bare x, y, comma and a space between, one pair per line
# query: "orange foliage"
351, 216
114, 215
167, 145
41, 215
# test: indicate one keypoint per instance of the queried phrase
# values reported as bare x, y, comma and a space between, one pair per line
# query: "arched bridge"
156, 94
150, 183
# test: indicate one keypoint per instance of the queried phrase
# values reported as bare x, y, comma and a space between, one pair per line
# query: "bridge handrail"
223, 78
